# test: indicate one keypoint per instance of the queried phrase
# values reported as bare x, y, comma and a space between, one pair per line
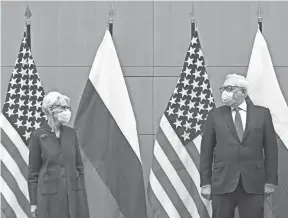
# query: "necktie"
238, 124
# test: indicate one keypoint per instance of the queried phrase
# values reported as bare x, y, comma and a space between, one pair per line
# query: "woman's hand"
34, 210
206, 192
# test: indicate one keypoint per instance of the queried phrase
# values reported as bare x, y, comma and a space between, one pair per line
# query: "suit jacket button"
61, 156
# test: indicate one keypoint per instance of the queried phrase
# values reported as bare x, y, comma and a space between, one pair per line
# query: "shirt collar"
242, 106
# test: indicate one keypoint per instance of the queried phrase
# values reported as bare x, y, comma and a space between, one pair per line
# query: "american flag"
174, 182
21, 115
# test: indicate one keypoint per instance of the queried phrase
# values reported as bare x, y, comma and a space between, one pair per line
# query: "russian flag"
264, 90
107, 133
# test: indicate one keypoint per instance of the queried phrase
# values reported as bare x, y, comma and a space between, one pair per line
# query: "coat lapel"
65, 137
227, 116
51, 134
249, 112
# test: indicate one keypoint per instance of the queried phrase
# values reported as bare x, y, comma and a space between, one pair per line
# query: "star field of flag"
192, 98
25, 93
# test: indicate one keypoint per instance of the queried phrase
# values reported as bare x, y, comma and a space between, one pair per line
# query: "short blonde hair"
53, 98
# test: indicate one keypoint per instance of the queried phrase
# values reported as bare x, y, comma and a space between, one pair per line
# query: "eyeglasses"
64, 108
228, 88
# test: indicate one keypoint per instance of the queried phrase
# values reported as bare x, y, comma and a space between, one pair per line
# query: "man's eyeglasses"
64, 108
228, 88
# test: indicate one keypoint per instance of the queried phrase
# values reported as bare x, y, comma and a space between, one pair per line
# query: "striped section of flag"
106, 128
174, 182
21, 115
264, 90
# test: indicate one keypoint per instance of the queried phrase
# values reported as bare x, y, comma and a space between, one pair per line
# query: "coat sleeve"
207, 150
270, 150
34, 165
79, 162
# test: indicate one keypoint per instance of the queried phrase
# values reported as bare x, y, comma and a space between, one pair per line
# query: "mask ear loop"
244, 91
52, 112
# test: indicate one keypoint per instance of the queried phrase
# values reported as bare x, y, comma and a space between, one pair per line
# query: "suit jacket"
55, 174
224, 157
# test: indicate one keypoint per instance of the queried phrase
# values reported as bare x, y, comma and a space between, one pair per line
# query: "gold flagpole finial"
259, 12
28, 13
111, 13
192, 14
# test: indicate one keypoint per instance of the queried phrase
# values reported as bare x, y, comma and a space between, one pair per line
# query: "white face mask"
228, 98
64, 116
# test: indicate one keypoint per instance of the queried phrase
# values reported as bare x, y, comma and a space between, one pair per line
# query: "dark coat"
56, 175
224, 157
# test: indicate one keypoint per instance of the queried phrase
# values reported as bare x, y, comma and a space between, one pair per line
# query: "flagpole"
193, 20
111, 14
28, 14
259, 17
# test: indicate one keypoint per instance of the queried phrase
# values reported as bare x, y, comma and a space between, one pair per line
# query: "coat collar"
227, 116
48, 128
52, 134
65, 135
242, 106
249, 120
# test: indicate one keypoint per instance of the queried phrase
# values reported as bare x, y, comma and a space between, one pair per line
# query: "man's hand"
206, 192
34, 210
269, 189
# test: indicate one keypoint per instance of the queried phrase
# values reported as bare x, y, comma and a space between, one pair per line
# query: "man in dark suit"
239, 154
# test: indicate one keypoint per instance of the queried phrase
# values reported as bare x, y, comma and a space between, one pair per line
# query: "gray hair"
51, 99
240, 80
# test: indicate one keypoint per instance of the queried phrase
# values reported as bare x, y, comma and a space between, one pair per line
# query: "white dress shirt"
243, 113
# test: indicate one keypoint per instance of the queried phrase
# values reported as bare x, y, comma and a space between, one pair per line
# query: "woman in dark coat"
55, 173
